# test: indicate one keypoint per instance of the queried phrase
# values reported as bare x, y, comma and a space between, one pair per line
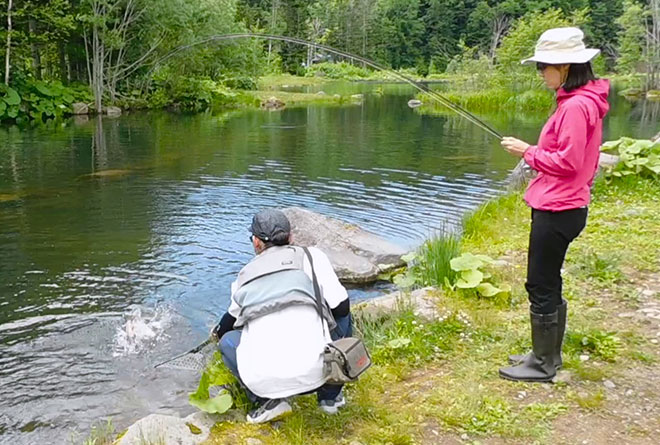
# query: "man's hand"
514, 146
214, 332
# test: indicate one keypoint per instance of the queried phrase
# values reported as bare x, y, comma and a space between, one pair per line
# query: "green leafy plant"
429, 265
603, 345
218, 390
636, 156
39, 99
471, 276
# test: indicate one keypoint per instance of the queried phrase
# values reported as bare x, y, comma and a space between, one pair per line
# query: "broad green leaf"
466, 261
404, 280
43, 89
409, 257
200, 398
488, 290
485, 258
12, 112
610, 145
469, 279
398, 343
12, 97
218, 404
638, 146
3, 107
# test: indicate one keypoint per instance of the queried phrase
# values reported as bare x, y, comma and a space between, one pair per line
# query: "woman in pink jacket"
566, 159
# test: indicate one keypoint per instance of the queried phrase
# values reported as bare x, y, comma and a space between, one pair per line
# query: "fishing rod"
424, 89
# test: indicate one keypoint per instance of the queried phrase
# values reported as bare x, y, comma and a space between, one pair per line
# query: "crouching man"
272, 337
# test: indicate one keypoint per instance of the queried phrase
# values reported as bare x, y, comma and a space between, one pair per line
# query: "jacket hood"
596, 90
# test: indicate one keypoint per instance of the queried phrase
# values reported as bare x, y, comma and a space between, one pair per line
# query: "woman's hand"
514, 146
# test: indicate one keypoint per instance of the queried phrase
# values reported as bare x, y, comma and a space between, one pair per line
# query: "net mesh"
195, 360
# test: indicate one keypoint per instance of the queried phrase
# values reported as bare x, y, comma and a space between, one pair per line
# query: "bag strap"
317, 290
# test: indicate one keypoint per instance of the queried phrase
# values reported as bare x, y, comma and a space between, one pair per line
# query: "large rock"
272, 104
80, 108
159, 428
112, 111
357, 255
422, 301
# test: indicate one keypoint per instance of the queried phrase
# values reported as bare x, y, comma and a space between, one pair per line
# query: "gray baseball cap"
271, 225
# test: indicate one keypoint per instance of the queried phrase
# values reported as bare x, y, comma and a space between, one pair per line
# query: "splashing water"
140, 332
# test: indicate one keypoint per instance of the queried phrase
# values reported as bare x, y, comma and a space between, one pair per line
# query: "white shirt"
280, 354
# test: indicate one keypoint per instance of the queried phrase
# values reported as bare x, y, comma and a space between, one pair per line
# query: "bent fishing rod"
424, 89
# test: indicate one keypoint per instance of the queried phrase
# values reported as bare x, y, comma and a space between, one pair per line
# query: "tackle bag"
345, 359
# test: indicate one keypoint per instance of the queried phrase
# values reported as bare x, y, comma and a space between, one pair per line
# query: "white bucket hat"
560, 46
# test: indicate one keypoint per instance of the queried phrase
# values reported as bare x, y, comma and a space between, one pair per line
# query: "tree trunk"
653, 43
8, 54
34, 49
63, 69
98, 58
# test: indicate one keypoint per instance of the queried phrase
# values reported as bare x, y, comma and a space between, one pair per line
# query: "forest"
131, 52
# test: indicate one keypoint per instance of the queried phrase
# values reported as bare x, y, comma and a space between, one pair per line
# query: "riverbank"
436, 381
434, 378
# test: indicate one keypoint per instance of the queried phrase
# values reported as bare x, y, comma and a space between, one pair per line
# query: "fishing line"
419, 86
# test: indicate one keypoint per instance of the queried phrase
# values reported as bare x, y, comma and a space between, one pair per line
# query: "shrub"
191, 94
637, 157
340, 70
39, 99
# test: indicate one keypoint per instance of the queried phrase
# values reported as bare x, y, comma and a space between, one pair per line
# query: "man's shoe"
269, 410
332, 406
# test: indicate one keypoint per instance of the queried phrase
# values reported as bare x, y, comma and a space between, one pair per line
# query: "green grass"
433, 259
297, 99
495, 99
435, 380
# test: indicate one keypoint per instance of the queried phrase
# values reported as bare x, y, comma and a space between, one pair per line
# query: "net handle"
194, 350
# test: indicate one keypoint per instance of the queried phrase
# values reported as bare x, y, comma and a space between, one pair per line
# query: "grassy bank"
435, 381
494, 99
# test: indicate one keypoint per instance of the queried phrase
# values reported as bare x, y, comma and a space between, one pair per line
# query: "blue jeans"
230, 341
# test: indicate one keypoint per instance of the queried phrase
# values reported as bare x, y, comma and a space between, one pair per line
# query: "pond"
120, 237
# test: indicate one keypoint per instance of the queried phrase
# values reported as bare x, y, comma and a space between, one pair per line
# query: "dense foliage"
127, 49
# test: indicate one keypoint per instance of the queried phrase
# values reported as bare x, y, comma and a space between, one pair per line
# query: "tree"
631, 37
8, 50
653, 46
520, 42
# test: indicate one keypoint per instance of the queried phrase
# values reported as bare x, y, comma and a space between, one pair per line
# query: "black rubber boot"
516, 359
539, 366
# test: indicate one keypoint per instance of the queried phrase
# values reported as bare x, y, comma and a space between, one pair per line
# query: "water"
119, 238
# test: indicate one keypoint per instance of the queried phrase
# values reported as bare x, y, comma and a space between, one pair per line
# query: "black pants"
549, 238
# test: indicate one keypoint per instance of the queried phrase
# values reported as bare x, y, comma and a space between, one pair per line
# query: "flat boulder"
357, 256
159, 428
80, 108
112, 111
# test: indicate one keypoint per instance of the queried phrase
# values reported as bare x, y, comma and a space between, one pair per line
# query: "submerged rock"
358, 256
108, 173
272, 103
5, 197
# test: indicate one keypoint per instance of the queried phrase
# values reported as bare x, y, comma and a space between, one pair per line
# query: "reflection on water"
119, 237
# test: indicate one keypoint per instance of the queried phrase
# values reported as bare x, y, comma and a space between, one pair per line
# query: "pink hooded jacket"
567, 153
